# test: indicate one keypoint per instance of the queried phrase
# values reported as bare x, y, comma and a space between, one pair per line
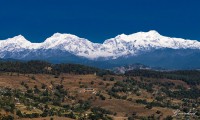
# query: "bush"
168, 118
33, 77
18, 113
148, 106
102, 97
112, 79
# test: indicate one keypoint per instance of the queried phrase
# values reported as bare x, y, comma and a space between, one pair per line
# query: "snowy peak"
17, 42
152, 34
153, 39
64, 40
18, 39
59, 36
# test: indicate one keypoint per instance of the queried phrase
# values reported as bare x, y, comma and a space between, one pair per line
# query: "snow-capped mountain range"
120, 46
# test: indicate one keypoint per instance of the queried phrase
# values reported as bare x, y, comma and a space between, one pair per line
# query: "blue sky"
98, 20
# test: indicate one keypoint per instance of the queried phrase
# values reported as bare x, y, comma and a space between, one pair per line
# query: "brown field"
126, 107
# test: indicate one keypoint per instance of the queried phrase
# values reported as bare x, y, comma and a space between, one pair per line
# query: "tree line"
36, 67
191, 77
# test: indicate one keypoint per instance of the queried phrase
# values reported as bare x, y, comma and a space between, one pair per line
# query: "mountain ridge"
121, 45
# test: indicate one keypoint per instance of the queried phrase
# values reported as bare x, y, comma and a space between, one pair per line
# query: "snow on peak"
153, 32
60, 35
57, 40
17, 42
135, 36
18, 38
